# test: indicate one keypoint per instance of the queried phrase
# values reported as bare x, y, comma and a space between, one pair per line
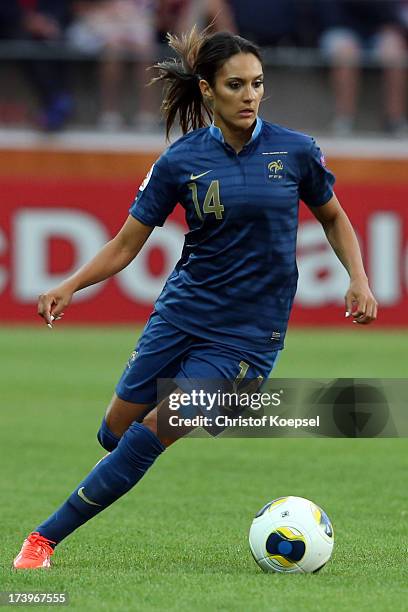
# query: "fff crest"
275, 169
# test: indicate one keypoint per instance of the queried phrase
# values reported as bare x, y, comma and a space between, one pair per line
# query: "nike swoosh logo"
85, 498
194, 177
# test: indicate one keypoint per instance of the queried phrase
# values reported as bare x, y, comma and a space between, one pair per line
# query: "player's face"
237, 92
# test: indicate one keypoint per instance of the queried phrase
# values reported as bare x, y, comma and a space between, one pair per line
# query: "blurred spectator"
215, 12
278, 22
350, 28
177, 16
114, 28
9, 19
168, 16
266, 23
44, 21
403, 13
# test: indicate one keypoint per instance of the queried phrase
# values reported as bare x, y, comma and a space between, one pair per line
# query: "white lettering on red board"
32, 232
3, 271
34, 228
136, 281
384, 244
322, 279
315, 256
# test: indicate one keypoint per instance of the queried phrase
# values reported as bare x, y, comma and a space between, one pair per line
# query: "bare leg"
394, 84
391, 53
111, 72
345, 82
120, 414
147, 117
345, 75
167, 435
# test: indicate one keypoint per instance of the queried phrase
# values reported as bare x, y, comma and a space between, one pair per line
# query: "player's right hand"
52, 304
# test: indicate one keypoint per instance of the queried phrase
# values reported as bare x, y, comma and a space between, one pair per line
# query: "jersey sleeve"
316, 184
157, 195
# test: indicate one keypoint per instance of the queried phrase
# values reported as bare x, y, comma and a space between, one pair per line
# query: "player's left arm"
360, 302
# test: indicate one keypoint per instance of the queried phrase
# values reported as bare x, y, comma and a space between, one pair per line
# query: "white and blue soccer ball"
291, 535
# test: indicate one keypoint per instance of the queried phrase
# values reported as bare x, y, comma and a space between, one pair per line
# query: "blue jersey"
236, 279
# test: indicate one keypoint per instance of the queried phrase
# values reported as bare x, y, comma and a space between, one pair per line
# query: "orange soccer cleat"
35, 553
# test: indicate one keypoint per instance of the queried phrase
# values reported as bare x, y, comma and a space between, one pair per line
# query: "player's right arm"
111, 259
156, 198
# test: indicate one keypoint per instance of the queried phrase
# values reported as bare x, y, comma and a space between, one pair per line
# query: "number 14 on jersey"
212, 203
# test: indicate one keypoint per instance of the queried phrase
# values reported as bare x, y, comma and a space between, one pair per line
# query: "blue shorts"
166, 352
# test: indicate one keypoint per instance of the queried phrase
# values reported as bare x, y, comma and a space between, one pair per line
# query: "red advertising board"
48, 228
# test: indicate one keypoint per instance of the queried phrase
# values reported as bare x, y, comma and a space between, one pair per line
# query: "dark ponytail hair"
199, 56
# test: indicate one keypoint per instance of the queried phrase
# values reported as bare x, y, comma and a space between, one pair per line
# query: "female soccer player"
224, 309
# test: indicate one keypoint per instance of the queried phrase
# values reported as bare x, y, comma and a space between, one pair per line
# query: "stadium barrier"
59, 207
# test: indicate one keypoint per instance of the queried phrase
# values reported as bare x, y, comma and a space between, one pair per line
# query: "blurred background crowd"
67, 63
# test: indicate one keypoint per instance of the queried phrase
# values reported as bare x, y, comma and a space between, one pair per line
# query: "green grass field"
178, 541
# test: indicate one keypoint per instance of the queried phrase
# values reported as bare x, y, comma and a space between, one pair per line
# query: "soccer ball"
291, 535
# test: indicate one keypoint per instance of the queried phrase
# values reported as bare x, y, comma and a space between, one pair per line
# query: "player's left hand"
360, 302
